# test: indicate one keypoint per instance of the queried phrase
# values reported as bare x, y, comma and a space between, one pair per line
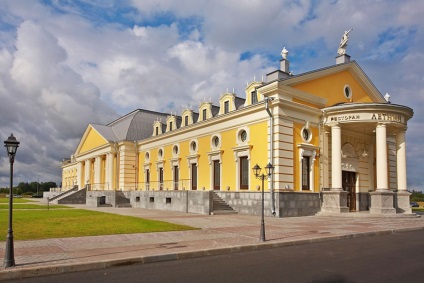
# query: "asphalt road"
388, 258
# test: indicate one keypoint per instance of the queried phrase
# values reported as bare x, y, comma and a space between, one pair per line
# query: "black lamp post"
11, 145
269, 169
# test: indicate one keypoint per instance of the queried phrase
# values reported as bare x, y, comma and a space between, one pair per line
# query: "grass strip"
32, 206
47, 224
15, 200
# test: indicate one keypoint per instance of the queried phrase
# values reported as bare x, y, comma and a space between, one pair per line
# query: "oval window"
243, 135
347, 92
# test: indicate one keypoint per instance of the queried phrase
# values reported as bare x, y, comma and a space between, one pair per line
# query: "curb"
9, 274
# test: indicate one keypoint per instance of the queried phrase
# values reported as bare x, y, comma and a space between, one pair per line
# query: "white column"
381, 145
401, 160
97, 170
79, 183
87, 172
336, 157
109, 170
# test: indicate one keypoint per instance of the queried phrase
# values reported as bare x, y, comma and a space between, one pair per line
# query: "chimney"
284, 71
343, 58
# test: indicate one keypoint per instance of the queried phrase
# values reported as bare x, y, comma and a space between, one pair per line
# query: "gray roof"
239, 102
134, 126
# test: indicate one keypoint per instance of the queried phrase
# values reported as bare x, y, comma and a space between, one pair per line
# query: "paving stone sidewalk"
218, 234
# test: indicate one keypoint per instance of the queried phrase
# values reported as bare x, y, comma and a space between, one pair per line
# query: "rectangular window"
244, 173
216, 175
148, 179
176, 177
186, 120
194, 176
253, 97
305, 173
226, 106
161, 178
204, 114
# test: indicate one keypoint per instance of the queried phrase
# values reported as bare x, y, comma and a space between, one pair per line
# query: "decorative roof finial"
284, 53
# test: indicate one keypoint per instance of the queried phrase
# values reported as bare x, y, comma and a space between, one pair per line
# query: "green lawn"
31, 206
46, 224
15, 200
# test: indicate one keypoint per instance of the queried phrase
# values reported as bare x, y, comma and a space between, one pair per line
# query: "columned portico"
360, 126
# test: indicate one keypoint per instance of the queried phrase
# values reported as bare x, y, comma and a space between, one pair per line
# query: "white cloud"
61, 71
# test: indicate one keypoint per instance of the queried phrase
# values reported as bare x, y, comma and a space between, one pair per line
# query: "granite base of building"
334, 201
382, 202
402, 202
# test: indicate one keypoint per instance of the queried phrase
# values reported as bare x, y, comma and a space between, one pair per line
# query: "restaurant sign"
373, 116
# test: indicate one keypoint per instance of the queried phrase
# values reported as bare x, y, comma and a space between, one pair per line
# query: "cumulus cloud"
64, 64
45, 103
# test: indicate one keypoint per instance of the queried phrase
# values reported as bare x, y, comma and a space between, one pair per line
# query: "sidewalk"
219, 234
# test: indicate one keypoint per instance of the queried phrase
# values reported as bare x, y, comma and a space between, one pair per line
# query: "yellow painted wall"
93, 140
332, 88
259, 154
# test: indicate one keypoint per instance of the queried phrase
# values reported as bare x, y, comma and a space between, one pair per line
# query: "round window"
175, 149
215, 141
193, 146
347, 92
306, 134
243, 135
147, 156
160, 152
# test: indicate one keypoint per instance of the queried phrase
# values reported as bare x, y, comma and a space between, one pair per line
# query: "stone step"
221, 212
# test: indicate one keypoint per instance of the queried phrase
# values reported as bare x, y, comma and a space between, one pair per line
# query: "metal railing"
97, 187
182, 184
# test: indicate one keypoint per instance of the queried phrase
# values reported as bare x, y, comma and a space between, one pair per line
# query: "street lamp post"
269, 169
11, 145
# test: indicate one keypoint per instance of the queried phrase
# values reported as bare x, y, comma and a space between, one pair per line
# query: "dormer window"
253, 97
204, 114
185, 120
170, 126
156, 131
226, 107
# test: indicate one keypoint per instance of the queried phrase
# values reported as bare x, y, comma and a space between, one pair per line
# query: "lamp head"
269, 169
11, 145
256, 170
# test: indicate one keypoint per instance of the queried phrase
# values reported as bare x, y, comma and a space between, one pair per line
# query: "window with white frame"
307, 160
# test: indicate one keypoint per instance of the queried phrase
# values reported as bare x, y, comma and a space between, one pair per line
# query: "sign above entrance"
368, 116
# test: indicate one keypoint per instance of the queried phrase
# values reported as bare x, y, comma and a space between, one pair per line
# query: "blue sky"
64, 63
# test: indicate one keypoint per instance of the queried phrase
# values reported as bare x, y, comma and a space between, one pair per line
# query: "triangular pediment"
91, 139
330, 84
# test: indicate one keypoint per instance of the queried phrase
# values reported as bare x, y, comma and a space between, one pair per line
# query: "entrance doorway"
216, 175
349, 185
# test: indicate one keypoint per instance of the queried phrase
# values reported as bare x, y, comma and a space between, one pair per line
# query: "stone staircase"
63, 194
220, 206
122, 200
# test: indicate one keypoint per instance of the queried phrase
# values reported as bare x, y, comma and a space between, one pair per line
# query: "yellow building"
336, 145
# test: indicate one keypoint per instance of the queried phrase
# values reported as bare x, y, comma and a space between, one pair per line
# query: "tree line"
30, 188
417, 196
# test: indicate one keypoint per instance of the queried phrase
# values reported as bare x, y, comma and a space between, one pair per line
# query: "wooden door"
349, 185
194, 176
216, 175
